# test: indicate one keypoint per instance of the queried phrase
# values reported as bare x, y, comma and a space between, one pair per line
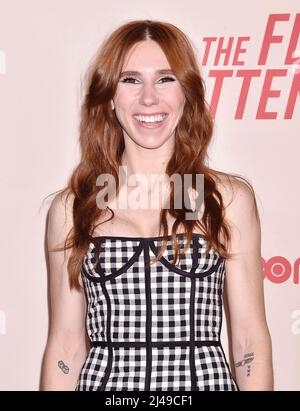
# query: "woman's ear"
112, 105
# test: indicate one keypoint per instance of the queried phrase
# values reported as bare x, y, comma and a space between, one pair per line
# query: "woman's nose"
149, 95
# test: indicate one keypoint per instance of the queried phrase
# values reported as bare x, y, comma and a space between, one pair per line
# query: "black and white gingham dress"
157, 328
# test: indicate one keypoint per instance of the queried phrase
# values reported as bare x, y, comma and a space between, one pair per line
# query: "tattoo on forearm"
63, 367
248, 358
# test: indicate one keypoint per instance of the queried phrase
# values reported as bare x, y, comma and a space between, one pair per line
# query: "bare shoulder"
60, 218
62, 204
68, 306
238, 195
243, 280
240, 209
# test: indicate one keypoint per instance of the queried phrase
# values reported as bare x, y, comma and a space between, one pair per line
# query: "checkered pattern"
171, 369
158, 328
213, 373
93, 370
128, 369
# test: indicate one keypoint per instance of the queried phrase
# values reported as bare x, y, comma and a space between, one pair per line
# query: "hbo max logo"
279, 270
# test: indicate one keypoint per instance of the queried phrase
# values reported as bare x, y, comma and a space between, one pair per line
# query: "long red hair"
102, 143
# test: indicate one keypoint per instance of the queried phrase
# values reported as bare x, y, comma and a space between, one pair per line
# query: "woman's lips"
155, 124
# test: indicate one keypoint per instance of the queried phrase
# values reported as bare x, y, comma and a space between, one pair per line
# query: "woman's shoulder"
233, 188
60, 216
240, 207
63, 201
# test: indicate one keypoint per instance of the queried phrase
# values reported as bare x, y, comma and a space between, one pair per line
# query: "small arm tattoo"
63, 367
248, 358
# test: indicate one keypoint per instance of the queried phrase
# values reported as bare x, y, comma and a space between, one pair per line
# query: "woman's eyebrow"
134, 73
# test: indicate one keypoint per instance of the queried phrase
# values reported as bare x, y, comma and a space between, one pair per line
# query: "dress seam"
192, 318
148, 318
108, 336
221, 305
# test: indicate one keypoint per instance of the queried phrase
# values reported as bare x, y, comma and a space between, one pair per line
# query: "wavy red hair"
102, 143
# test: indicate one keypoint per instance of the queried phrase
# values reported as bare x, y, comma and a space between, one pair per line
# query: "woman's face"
148, 103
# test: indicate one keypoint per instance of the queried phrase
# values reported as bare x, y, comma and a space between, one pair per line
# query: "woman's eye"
131, 80
124, 80
168, 78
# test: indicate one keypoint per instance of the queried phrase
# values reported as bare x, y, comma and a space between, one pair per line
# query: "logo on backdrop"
280, 37
296, 65
280, 270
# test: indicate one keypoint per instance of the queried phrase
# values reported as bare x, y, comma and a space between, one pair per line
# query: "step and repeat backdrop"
249, 56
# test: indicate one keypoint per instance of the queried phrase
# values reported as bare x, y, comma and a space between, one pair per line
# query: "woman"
150, 297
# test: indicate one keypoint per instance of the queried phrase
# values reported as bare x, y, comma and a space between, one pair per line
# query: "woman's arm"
251, 341
66, 347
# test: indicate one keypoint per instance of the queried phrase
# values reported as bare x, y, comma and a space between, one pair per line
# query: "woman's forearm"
61, 368
254, 366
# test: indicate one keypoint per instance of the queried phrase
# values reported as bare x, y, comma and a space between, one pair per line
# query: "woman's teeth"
151, 119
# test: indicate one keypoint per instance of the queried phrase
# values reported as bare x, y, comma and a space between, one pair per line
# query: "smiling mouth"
151, 121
